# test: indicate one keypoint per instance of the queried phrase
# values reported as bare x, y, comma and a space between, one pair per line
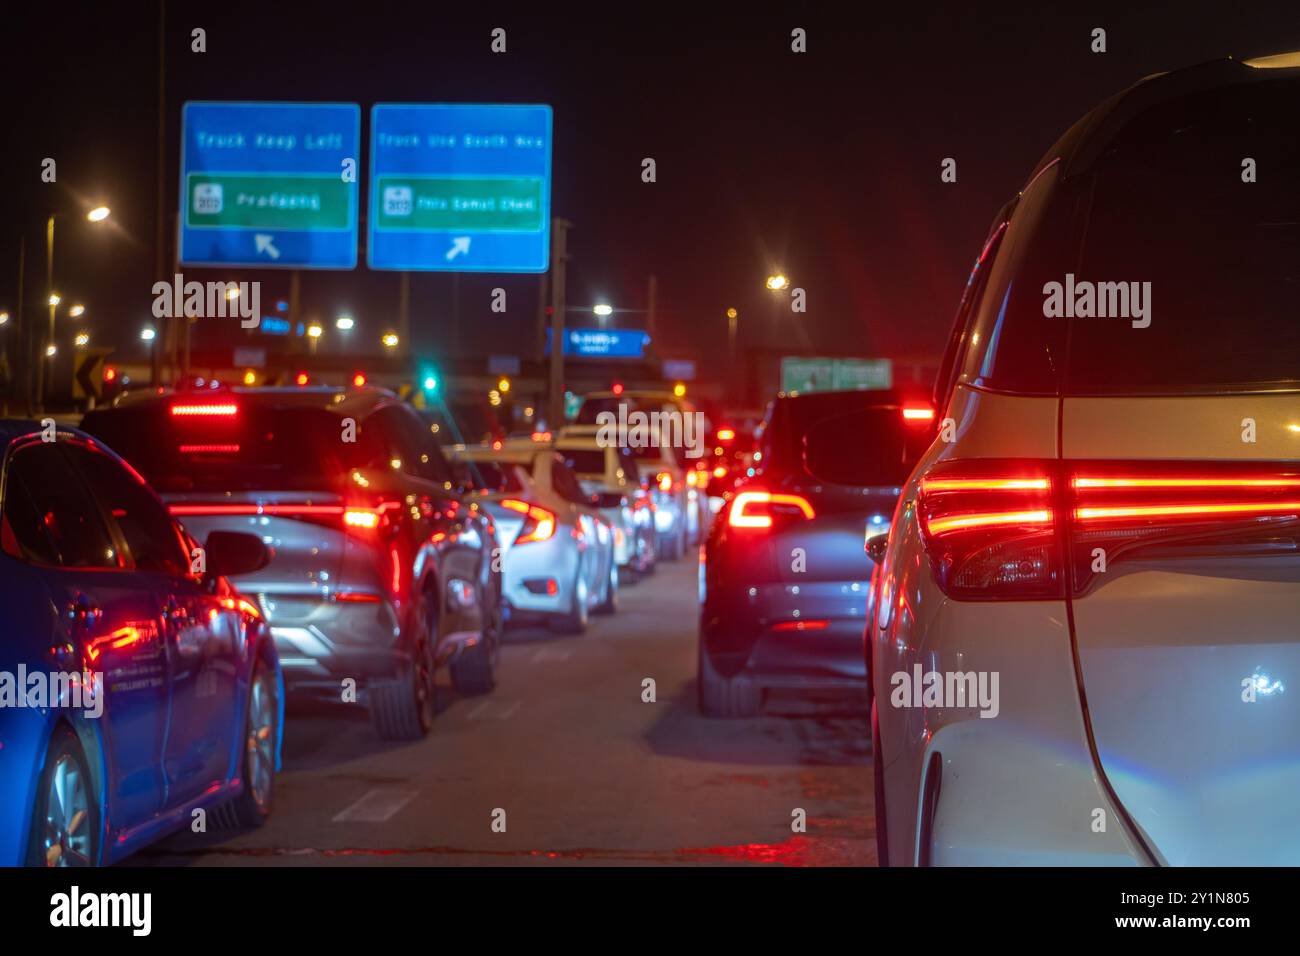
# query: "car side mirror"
876, 546
230, 553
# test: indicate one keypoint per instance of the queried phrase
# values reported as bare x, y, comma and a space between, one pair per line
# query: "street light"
77, 311
344, 323
148, 333
54, 299
98, 214
603, 309
775, 283
82, 340
50, 350
390, 340
4, 318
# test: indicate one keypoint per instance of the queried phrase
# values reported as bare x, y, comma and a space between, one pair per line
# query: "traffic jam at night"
527, 441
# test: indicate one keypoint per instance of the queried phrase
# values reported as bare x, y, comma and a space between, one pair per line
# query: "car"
784, 579
557, 549
1085, 628
382, 570
610, 476
137, 686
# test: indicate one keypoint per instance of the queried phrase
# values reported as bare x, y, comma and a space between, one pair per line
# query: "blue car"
136, 685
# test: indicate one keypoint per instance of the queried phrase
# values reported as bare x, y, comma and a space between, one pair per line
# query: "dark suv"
784, 580
381, 571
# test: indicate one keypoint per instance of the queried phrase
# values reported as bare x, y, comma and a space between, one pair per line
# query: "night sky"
825, 164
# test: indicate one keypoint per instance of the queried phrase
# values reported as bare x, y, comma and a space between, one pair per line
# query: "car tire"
402, 708
65, 819
878, 781
610, 604
731, 697
252, 807
474, 670
576, 619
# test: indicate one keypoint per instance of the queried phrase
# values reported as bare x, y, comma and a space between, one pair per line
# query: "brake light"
726, 434
359, 380
918, 414
998, 529
539, 523
110, 374
205, 410
757, 509
805, 624
360, 519
209, 449
665, 481
302, 378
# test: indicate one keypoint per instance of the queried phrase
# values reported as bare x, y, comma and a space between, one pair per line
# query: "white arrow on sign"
265, 244
458, 245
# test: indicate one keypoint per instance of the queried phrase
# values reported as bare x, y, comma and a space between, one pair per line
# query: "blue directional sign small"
460, 187
270, 184
603, 343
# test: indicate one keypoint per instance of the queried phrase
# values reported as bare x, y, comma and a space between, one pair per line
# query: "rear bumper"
790, 637
320, 642
528, 565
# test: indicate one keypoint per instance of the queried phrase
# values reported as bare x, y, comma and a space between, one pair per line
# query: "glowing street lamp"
55, 298
4, 318
82, 340
390, 340
77, 311
775, 283
148, 333
344, 323
603, 309
98, 214
50, 350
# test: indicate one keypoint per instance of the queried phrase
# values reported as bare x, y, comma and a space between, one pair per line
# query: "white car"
1086, 639
558, 551
610, 476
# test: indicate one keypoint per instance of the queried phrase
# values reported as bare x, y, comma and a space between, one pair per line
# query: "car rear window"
871, 420
585, 461
259, 448
1199, 268
1171, 207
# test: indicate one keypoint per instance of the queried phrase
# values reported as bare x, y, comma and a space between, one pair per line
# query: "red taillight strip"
801, 625
209, 449
280, 510
1171, 511
938, 526
1085, 482
223, 409
738, 518
985, 484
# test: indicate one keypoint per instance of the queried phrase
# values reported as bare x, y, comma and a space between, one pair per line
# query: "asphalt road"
584, 770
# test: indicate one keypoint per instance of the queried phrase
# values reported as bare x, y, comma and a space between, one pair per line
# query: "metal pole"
559, 254
23, 350
49, 286
159, 224
404, 313
542, 287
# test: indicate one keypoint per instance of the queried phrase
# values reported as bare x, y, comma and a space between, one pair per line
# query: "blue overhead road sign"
270, 184
460, 187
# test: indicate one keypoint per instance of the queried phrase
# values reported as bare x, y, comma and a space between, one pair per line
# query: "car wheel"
402, 709
474, 670
65, 820
610, 604
252, 807
722, 696
576, 620
878, 779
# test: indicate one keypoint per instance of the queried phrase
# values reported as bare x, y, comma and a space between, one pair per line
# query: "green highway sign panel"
800, 375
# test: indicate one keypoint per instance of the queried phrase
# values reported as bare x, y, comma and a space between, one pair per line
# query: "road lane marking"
376, 806
497, 709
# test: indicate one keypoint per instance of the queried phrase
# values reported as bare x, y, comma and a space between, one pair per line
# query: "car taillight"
205, 410
665, 481
998, 529
352, 517
918, 413
989, 528
356, 518
539, 522
758, 509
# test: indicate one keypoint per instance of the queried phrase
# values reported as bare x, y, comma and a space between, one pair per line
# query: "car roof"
514, 455
352, 401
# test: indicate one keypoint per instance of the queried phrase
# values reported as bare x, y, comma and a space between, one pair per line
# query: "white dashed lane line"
376, 806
